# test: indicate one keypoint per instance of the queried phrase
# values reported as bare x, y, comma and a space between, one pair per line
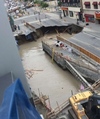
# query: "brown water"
48, 77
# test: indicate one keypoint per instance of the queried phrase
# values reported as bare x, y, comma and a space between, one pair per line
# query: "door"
99, 21
86, 18
66, 12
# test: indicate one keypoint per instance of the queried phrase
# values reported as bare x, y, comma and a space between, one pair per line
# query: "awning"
94, 3
97, 14
86, 3
90, 15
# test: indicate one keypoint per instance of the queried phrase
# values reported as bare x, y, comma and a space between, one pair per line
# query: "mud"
47, 76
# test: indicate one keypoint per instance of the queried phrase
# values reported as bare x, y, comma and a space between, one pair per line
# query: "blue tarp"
16, 104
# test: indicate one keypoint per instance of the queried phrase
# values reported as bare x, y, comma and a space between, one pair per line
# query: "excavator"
85, 105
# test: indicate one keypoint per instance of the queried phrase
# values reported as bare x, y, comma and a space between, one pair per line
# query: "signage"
64, 8
97, 14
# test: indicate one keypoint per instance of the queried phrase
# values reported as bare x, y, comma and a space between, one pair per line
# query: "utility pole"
81, 9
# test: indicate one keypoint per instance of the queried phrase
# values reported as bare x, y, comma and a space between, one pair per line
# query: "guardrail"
89, 54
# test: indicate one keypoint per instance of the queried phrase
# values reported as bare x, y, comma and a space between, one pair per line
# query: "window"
95, 6
87, 6
91, 19
71, 13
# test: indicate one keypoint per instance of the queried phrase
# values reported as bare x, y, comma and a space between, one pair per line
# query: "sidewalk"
74, 21
92, 26
53, 14
95, 27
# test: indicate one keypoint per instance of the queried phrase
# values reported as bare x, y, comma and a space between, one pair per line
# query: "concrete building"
10, 60
91, 9
71, 8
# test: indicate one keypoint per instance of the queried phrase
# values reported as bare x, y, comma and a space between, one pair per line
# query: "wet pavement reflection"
48, 77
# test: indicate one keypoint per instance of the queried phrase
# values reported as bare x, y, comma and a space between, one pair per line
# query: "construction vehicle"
85, 105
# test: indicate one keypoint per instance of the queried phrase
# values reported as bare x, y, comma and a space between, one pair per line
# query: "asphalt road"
88, 42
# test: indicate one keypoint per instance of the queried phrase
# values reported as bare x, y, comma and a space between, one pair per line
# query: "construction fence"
89, 54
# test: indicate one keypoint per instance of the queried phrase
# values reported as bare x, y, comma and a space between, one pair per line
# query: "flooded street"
48, 77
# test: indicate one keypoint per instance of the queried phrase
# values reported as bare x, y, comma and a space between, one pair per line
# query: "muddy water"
48, 77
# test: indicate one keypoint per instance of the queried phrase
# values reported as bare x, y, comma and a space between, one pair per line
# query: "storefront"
74, 13
97, 16
65, 11
89, 18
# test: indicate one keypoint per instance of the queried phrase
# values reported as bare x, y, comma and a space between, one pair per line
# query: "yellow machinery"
85, 105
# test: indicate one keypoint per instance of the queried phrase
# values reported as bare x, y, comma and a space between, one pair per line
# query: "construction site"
54, 72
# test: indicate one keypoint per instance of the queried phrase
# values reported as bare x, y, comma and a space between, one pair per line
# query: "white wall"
53, 3
89, 12
75, 11
9, 55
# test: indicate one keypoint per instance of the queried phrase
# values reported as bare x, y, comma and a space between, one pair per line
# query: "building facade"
71, 8
91, 9
10, 60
